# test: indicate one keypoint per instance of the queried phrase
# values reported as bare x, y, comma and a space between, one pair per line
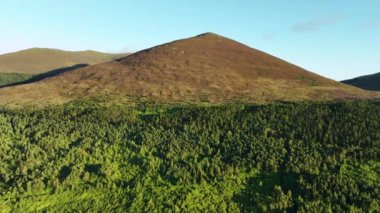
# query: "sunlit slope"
205, 68
39, 60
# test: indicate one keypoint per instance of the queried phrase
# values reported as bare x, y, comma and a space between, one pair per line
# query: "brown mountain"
368, 82
207, 67
40, 60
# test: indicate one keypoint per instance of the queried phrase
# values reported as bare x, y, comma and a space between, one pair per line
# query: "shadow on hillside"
48, 74
259, 193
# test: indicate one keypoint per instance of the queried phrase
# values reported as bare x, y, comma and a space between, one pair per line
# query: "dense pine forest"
84, 156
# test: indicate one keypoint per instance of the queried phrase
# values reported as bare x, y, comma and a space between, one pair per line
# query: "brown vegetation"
207, 68
40, 60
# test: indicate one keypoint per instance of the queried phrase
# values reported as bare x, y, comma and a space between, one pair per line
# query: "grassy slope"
10, 78
368, 82
39, 60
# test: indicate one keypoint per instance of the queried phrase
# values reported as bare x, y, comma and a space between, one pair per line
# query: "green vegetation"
11, 78
149, 158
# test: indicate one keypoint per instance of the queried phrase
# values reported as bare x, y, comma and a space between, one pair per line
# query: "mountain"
206, 68
368, 82
40, 60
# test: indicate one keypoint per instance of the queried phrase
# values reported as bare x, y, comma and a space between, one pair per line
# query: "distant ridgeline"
20, 66
368, 82
153, 158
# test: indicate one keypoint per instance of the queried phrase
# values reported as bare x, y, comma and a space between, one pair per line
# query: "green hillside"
40, 60
368, 82
10, 78
84, 156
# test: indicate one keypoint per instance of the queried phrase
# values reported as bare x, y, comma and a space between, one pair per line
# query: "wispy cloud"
268, 36
371, 25
316, 24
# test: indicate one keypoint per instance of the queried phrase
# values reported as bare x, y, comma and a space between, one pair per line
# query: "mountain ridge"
39, 60
367, 82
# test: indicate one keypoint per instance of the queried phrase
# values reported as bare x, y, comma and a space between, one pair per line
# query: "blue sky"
339, 39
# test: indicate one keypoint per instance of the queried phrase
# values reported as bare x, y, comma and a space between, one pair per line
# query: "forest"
280, 157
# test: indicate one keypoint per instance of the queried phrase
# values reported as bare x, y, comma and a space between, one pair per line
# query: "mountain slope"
39, 60
368, 82
207, 67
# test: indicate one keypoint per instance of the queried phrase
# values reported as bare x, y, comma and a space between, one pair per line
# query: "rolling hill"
40, 60
205, 68
368, 82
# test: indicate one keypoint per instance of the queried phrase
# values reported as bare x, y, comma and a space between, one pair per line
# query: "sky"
339, 39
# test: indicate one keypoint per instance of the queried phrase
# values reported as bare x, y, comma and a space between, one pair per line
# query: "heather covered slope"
368, 82
39, 60
206, 68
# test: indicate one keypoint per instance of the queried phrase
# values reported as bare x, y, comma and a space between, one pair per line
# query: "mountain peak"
208, 34
207, 67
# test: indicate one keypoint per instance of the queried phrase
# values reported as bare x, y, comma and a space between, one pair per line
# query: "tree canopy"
306, 157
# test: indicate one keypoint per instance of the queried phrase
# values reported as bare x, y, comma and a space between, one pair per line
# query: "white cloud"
316, 24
